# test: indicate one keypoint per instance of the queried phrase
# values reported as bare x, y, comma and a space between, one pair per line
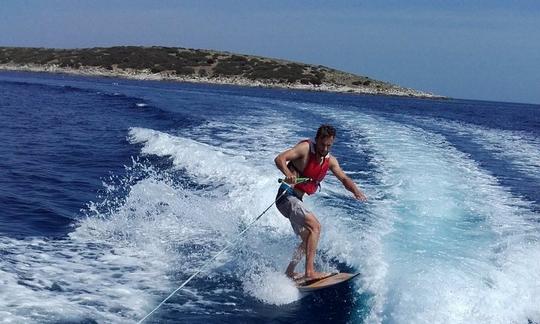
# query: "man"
311, 160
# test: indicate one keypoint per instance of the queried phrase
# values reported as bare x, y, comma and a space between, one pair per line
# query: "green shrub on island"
364, 83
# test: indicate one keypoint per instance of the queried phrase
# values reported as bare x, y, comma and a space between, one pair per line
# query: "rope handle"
298, 180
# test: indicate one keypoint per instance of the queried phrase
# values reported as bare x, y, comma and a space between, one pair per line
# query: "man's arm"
298, 151
345, 180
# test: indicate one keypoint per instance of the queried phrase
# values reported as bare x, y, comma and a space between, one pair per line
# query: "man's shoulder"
332, 160
303, 146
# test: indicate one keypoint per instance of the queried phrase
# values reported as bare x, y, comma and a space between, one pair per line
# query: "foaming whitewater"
459, 246
107, 268
134, 248
246, 190
518, 148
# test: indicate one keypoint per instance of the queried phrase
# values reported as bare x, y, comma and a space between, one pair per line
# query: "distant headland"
195, 65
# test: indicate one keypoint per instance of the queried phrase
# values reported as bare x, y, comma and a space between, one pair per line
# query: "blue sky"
488, 50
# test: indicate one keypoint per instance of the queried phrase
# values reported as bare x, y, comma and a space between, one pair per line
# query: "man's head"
324, 139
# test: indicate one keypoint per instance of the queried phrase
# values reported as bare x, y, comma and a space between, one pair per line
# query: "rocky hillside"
195, 65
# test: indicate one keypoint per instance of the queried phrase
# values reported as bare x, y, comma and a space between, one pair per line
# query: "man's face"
323, 145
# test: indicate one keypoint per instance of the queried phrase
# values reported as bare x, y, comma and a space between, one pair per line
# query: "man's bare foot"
317, 275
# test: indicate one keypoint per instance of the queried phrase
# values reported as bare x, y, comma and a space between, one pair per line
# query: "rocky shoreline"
146, 74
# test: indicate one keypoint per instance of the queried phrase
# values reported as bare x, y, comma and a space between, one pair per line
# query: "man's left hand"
360, 196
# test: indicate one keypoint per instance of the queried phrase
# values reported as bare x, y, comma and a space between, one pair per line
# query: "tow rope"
230, 244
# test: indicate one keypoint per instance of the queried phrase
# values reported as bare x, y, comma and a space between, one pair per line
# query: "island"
195, 65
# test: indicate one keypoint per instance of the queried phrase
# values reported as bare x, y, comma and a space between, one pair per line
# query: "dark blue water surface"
175, 153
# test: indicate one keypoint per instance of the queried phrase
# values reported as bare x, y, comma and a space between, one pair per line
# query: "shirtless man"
311, 160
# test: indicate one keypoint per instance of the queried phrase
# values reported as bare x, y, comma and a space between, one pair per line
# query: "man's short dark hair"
326, 131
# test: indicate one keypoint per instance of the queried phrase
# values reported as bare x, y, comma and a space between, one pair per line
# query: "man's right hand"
291, 179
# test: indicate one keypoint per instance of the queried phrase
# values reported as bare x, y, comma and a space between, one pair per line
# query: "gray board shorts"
292, 207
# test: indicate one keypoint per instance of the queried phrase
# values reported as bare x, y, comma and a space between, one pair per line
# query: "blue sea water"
113, 192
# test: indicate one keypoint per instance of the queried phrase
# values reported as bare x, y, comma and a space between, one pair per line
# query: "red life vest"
313, 170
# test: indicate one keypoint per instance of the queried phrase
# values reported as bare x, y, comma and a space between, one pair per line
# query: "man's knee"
312, 224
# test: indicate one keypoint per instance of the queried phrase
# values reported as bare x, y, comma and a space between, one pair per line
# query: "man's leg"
314, 231
297, 255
